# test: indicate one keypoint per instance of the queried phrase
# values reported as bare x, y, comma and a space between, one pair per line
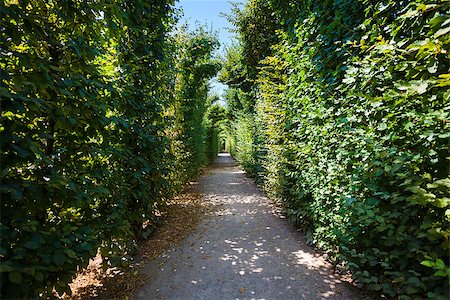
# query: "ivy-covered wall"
97, 99
350, 130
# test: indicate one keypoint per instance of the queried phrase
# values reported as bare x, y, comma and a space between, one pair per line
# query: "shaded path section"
244, 249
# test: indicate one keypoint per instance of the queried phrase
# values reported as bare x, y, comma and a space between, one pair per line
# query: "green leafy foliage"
192, 138
93, 97
216, 120
349, 129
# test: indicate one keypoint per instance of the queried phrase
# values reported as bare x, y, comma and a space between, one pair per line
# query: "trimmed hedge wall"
351, 132
94, 112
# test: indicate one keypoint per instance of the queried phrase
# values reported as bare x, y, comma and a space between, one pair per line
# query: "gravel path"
243, 249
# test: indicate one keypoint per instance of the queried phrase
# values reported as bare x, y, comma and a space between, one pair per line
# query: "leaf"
399, 279
421, 87
20, 151
411, 290
443, 182
440, 264
5, 268
39, 277
59, 258
15, 277
11, 2
30, 271
441, 202
441, 31
441, 273
382, 126
86, 246
415, 86
416, 190
427, 263
17, 194
32, 245
432, 66
70, 253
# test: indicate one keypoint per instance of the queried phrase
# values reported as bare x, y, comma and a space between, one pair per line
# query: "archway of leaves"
341, 110
103, 119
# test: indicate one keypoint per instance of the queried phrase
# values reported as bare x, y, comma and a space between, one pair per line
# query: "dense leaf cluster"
101, 120
192, 137
350, 129
217, 122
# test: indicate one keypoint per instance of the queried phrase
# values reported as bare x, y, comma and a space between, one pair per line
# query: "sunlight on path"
244, 249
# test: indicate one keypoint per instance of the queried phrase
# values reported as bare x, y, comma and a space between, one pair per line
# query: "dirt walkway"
243, 249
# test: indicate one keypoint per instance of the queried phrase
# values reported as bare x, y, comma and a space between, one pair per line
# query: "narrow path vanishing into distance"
243, 249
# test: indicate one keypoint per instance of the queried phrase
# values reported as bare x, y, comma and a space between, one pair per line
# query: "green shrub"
353, 105
89, 128
216, 120
195, 67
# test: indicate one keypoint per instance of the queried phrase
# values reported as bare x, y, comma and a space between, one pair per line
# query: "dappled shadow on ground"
244, 249
224, 160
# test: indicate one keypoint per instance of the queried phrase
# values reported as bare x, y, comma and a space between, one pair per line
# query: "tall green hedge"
216, 120
353, 104
196, 66
90, 111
